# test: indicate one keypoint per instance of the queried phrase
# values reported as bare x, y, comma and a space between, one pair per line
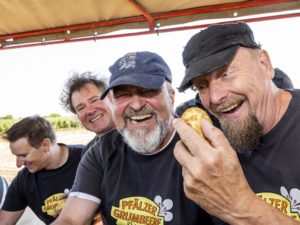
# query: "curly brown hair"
75, 83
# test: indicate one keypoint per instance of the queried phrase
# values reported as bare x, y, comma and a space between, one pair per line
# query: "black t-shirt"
272, 170
134, 188
41, 190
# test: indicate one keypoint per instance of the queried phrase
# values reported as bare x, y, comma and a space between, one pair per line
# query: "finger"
193, 141
182, 154
214, 135
63, 196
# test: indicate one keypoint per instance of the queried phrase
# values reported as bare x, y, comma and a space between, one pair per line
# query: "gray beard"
242, 134
144, 141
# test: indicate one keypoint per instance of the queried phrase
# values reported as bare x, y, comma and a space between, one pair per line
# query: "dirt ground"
8, 167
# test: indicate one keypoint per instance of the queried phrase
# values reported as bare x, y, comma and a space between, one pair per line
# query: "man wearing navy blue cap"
131, 172
247, 174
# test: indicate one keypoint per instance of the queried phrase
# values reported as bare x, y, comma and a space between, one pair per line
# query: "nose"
20, 161
137, 102
90, 109
217, 91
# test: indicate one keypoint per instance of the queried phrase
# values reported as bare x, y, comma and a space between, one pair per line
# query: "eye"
79, 108
228, 73
149, 92
200, 86
121, 94
95, 99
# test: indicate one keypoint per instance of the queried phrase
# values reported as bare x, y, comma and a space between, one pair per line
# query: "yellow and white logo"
140, 210
54, 204
287, 203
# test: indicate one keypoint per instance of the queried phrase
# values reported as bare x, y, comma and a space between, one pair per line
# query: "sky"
32, 78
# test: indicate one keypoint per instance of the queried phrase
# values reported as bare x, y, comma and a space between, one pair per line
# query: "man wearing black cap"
132, 171
249, 174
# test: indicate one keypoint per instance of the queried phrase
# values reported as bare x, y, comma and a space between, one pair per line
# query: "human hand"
97, 220
213, 177
62, 198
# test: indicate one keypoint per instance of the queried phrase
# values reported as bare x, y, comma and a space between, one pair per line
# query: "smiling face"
93, 113
143, 116
237, 95
34, 159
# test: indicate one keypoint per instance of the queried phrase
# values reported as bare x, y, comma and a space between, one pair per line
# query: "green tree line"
58, 122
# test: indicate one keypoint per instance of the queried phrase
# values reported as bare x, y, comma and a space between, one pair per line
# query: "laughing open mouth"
96, 118
231, 108
138, 119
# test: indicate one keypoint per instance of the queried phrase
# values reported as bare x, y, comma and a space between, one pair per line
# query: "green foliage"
54, 115
5, 124
58, 122
7, 117
64, 122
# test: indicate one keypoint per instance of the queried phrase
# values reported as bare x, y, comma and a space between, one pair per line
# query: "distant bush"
7, 117
5, 124
54, 115
58, 122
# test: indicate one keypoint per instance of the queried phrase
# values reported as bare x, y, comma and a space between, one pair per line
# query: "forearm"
260, 213
77, 212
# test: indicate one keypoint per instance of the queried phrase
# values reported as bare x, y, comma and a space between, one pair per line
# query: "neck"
276, 107
59, 155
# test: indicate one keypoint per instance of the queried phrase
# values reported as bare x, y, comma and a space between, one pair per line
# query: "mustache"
143, 111
218, 108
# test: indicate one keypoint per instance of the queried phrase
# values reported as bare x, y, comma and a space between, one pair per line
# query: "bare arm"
77, 211
214, 179
10, 217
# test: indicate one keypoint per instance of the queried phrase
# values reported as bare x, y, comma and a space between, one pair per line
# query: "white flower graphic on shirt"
164, 207
293, 197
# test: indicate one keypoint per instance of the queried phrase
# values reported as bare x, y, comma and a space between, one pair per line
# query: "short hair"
75, 83
34, 128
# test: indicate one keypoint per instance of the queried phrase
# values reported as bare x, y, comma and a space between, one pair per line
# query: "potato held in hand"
194, 116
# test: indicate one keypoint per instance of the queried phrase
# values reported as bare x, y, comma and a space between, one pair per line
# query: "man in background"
81, 96
48, 173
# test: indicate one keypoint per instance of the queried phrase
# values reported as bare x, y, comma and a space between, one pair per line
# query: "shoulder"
295, 95
75, 152
184, 106
106, 145
110, 139
77, 147
3, 190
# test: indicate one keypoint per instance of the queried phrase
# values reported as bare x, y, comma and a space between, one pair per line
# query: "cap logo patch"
128, 61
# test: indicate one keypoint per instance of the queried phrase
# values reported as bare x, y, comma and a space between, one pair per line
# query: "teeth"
96, 118
140, 117
230, 107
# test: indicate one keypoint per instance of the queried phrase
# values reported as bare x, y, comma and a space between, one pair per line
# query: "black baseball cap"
214, 48
142, 69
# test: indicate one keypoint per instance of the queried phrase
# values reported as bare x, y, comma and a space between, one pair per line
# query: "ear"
109, 96
266, 64
46, 145
172, 96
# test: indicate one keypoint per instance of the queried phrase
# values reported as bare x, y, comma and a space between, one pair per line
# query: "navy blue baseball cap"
141, 69
214, 48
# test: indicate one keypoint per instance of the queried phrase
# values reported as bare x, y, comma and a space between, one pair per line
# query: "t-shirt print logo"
140, 210
294, 198
286, 202
128, 61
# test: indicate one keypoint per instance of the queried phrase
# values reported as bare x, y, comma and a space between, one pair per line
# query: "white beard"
142, 141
